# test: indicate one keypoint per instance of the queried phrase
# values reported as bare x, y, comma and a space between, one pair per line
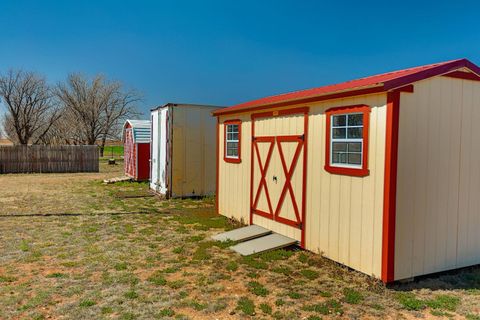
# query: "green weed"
246, 306
327, 308
257, 288
131, 294
166, 313
158, 279
266, 308
444, 302
409, 301
232, 266
352, 296
309, 274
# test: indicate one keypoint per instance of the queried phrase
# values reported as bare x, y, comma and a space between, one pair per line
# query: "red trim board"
463, 75
390, 186
217, 187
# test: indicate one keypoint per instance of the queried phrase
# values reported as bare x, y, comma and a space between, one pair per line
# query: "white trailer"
183, 150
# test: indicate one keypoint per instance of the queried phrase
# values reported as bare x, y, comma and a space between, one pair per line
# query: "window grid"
232, 141
346, 158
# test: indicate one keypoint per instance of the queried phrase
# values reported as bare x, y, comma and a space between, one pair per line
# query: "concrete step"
242, 234
262, 244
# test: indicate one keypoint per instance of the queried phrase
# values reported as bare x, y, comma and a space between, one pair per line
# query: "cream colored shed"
183, 150
381, 174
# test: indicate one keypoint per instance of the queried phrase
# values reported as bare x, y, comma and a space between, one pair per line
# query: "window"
347, 140
233, 133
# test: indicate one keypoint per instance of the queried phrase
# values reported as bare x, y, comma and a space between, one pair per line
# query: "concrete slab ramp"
262, 244
242, 234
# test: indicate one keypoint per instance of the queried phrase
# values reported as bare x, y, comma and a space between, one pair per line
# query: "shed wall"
438, 189
193, 151
343, 213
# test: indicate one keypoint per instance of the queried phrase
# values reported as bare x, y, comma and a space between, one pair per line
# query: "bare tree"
30, 109
96, 107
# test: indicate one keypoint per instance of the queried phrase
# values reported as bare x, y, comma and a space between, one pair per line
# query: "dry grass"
101, 254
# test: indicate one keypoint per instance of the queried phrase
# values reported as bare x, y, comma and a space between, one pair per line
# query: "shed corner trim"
390, 186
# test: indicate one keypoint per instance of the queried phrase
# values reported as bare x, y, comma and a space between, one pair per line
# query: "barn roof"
141, 130
377, 83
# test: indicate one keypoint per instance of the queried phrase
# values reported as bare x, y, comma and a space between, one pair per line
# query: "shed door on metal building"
279, 171
159, 150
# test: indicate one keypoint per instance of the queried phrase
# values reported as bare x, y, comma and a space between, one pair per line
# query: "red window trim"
225, 158
356, 172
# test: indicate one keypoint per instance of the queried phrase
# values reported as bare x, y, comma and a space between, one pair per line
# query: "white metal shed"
183, 149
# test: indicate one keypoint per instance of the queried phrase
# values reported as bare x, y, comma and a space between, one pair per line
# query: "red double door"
279, 157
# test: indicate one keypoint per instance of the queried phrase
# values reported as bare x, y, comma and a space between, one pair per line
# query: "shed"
183, 150
381, 174
136, 149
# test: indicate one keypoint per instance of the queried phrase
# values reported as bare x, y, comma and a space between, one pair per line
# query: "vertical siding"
194, 151
234, 179
343, 214
438, 188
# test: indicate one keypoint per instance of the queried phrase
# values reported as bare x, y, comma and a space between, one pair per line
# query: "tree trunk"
102, 145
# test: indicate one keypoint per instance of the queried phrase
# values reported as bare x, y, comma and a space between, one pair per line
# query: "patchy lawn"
71, 247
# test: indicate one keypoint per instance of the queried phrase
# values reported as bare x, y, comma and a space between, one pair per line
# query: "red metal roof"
382, 82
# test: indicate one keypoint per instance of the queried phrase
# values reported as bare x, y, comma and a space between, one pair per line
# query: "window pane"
339, 146
335, 157
232, 145
355, 119
232, 128
355, 158
232, 152
232, 136
355, 133
354, 147
338, 133
339, 157
339, 121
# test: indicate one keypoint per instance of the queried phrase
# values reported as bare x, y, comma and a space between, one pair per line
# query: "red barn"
136, 141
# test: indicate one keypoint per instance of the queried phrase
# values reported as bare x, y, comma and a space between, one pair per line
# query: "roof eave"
377, 88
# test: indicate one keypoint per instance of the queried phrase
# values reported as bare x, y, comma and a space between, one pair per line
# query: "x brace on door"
263, 172
288, 174
288, 171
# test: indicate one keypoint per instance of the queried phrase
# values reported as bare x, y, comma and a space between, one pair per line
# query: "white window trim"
346, 140
237, 141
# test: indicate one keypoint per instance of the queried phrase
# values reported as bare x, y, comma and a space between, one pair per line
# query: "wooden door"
279, 153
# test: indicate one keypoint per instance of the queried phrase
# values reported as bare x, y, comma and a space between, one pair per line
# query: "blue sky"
226, 52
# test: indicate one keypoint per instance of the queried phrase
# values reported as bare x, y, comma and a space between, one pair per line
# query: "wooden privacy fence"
48, 159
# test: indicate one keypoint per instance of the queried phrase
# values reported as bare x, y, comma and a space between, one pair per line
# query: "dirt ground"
74, 248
